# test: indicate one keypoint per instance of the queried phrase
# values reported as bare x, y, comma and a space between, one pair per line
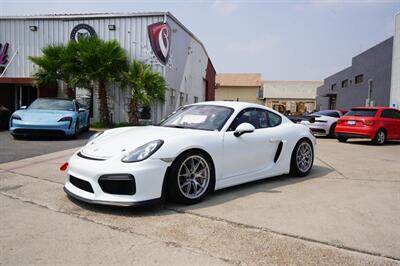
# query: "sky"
282, 40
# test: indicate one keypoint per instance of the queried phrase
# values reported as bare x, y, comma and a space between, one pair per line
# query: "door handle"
274, 140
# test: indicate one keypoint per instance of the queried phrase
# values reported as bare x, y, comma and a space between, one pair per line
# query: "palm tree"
56, 63
100, 62
145, 86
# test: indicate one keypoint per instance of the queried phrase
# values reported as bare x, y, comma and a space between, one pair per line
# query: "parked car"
5, 114
324, 123
200, 148
376, 123
50, 116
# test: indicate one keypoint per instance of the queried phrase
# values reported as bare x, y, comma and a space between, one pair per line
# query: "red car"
376, 123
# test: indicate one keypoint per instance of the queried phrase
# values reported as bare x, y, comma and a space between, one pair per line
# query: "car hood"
35, 115
123, 140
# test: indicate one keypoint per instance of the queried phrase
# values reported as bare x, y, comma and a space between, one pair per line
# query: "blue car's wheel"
76, 130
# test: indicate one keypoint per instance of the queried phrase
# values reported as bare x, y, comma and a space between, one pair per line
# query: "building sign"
82, 31
160, 40
3, 56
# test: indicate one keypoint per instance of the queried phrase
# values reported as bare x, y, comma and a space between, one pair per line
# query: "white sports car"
325, 122
199, 148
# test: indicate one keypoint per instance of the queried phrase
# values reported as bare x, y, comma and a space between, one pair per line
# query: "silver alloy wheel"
304, 156
194, 176
381, 137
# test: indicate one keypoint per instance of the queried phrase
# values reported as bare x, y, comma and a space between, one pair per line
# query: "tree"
100, 62
145, 86
56, 63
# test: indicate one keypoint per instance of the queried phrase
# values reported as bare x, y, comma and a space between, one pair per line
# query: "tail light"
369, 123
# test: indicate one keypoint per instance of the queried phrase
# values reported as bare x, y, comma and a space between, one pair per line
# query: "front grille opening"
89, 158
120, 184
39, 132
81, 184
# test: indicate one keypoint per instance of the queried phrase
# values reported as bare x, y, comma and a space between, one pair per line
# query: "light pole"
369, 100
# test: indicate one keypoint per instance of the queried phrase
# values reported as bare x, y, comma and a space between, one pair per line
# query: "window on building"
359, 78
186, 98
181, 97
144, 112
333, 87
345, 83
196, 99
172, 97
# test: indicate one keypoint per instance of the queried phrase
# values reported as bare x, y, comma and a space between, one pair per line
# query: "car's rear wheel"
302, 158
380, 137
332, 133
76, 130
191, 178
341, 138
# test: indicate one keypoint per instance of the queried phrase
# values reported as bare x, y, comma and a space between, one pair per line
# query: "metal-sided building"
349, 87
155, 38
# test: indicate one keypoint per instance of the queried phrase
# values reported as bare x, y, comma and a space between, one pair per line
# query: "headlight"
16, 117
143, 152
64, 119
95, 136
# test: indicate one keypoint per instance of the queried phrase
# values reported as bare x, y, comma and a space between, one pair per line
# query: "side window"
257, 117
335, 114
387, 114
396, 114
274, 119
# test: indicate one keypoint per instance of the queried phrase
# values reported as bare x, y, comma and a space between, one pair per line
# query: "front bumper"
20, 127
148, 178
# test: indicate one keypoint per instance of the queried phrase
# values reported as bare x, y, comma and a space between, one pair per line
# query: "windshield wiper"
175, 126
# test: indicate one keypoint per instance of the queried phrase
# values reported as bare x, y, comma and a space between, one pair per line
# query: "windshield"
362, 112
52, 104
204, 117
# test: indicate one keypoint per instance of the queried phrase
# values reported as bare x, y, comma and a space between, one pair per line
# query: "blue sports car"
50, 116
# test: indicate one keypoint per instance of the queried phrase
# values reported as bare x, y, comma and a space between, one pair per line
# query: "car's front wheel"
191, 178
302, 158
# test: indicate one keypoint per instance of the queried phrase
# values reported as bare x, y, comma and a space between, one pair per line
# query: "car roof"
54, 98
232, 104
373, 107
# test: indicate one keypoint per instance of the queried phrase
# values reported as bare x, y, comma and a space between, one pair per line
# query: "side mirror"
80, 110
243, 128
23, 107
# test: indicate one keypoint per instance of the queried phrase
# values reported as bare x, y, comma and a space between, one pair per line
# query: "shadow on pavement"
268, 185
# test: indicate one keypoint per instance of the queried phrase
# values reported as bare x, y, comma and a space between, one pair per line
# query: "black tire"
341, 138
174, 190
76, 131
380, 137
17, 137
86, 129
332, 133
295, 169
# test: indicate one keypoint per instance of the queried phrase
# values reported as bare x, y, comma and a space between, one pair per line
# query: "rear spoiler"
299, 118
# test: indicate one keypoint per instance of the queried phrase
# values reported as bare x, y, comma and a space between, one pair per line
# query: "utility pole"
369, 100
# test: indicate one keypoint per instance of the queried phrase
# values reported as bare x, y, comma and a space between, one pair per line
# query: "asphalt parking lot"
15, 149
346, 212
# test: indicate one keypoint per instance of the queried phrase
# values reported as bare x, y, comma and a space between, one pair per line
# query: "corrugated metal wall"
184, 72
131, 32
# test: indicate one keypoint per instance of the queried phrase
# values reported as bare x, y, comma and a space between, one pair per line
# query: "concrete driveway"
346, 212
